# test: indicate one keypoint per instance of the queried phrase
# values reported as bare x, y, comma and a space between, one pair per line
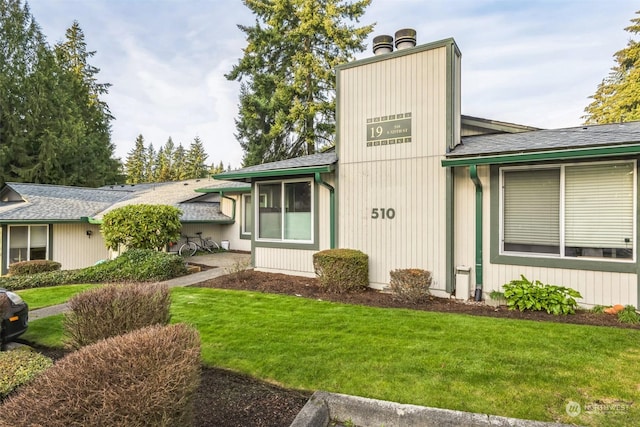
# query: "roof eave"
240, 176
564, 154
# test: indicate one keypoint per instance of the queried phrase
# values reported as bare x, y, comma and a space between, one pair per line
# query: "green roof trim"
566, 154
309, 170
224, 190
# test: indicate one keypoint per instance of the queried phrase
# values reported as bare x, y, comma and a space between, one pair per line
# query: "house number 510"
383, 213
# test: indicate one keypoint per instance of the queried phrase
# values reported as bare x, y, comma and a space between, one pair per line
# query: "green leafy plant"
629, 315
410, 284
141, 226
20, 366
522, 294
598, 308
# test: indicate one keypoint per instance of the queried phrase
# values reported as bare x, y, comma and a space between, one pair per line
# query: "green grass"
45, 297
504, 367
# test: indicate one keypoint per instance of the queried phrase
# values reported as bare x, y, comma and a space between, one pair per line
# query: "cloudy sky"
531, 62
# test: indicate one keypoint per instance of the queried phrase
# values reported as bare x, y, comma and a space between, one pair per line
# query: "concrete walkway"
222, 263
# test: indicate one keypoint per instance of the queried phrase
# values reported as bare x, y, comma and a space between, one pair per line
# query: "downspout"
233, 205
473, 174
332, 210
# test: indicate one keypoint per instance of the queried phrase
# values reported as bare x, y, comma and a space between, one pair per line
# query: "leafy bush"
410, 284
139, 265
20, 366
115, 310
141, 226
136, 265
629, 315
342, 270
33, 267
523, 295
144, 378
598, 309
39, 280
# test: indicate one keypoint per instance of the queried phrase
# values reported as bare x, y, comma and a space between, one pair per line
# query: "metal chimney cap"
405, 38
382, 44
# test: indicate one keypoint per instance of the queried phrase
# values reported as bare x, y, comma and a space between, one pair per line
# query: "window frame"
28, 247
244, 234
501, 254
273, 242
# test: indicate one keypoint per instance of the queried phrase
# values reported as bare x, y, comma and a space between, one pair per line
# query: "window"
27, 242
584, 210
285, 211
247, 215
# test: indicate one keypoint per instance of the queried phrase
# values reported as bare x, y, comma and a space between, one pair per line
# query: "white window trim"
243, 226
256, 211
562, 211
9, 227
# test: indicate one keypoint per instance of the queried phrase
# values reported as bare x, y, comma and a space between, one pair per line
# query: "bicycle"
190, 247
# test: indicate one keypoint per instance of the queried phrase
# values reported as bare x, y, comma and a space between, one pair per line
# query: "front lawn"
45, 297
504, 367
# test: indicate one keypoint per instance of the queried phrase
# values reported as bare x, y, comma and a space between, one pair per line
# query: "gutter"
90, 220
473, 174
332, 210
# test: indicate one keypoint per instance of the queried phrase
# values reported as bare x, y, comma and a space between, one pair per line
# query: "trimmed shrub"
410, 285
33, 267
523, 294
115, 310
342, 270
20, 366
628, 315
144, 378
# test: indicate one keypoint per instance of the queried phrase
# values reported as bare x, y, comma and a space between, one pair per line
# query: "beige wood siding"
231, 232
72, 248
596, 287
406, 178
289, 261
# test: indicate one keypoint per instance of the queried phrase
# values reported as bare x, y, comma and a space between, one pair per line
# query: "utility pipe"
473, 174
332, 210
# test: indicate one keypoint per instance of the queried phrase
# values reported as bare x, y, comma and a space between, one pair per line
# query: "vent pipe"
405, 38
382, 44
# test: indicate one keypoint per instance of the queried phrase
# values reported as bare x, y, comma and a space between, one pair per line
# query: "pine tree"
150, 164
135, 164
196, 158
165, 161
617, 98
179, 169
287, 100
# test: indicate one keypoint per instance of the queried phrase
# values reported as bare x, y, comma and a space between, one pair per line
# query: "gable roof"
21, 202
304, 165
56, 203
554, 144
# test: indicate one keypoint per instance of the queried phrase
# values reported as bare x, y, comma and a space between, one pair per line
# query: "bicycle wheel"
211, 245
188, 249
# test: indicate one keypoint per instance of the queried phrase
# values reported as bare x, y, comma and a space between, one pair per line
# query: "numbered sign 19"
383, 213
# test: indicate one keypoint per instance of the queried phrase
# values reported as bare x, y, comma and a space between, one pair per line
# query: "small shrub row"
342, 270
114, 310
18, 367
410, 285
145, 378
523, 294
139, 265
33, 267
625, 314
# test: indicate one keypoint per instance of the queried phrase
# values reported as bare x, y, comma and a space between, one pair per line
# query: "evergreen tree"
287, 100
216, 169
617, 98
135, 165
179, 170
195, 160
165, 160
150, 164
53, 127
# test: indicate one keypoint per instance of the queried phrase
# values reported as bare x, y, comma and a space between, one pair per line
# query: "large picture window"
27, 242
285, 212
581, 210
